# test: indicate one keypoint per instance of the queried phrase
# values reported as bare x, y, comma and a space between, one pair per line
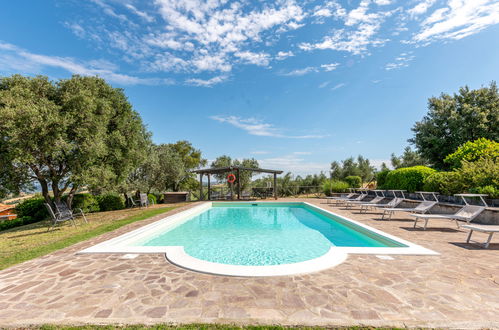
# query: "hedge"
381, 178
334, 186
86, 202
33, 207
20, 221
408, 178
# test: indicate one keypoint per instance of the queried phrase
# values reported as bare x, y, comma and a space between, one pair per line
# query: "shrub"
480, 173
110, 202
86, 202
492, 191
472, 151
33, 207
334, 186
152, 199
446, 183
354, 181
381, 178
408, 178
17, 222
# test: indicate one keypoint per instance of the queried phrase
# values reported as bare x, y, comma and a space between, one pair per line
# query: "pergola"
237, 170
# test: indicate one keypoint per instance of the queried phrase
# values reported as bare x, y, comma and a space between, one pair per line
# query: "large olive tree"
67, 134
455, 119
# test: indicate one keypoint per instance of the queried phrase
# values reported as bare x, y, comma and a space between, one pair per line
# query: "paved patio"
458, 289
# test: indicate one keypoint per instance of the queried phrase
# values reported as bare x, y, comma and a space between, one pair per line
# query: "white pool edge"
177, 255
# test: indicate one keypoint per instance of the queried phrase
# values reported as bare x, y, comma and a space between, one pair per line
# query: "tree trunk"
71, 194
45, 191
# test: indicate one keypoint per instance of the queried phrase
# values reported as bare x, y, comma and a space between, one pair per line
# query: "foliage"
472, 151
152, 199
481, 173
292, 186
446, 183
334, 186
408, 178
381, 178
86, 202
33, 207
69, 133
244, 178
408, 159
110, 202
17, 222
348, 167
490, 190
354, 181
454, 120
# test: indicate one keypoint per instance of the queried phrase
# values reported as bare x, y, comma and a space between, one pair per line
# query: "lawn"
31, 241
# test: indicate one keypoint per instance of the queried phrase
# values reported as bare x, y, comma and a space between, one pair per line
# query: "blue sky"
294, 84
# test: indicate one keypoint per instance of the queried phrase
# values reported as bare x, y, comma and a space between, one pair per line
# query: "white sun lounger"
343, 198
349, 203
393, 203
422, 208
489, 229
374, 201
467, 213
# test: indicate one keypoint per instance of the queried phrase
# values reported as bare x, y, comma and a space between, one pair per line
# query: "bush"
408, 178
33, 207
492, 191
17, 222
334, 187
381, 178
472, 151
87, 202
446, 183
354, 181
152, 199
110, 202
481, 173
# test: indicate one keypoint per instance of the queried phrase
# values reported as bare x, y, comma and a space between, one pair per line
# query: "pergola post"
209, 189
238, 185
201, 186
275, 185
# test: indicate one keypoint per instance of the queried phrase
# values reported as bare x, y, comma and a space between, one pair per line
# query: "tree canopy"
474, 150
69, 133
408, 159
352, 167
244, 178
455, 119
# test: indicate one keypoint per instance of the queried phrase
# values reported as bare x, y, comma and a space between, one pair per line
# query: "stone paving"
457, 289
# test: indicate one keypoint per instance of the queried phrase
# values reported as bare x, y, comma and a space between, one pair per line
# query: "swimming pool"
257, 239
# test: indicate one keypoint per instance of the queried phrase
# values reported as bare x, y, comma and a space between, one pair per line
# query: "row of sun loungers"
467, 213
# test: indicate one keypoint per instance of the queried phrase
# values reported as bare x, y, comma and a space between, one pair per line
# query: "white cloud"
383, 2
300, 72
358, 35
330, 67
257, 127
139, 13
400, 61
338, 86
324, 84
283, 55
35, 64
261, 59
206, 83
259, 152
421, 7
459, 19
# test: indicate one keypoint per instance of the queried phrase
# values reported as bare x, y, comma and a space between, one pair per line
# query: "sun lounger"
489, 229
350, 202
392, 203
422, 208
342, 198
467, 213
374, 201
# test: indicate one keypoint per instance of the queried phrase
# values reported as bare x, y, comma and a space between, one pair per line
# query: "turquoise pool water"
257, 235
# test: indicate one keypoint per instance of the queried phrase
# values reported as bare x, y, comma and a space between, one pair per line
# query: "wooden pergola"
234, 169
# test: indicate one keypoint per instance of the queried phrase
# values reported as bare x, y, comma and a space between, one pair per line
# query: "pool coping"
178, 256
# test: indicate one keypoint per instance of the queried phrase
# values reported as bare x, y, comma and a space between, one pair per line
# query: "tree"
351, 167
244, 178
408, 159
454, 120
69, 133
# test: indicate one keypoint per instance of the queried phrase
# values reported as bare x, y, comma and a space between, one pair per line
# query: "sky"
293, 84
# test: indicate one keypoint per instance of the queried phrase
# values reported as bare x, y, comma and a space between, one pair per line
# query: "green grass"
198, 327
28, 242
